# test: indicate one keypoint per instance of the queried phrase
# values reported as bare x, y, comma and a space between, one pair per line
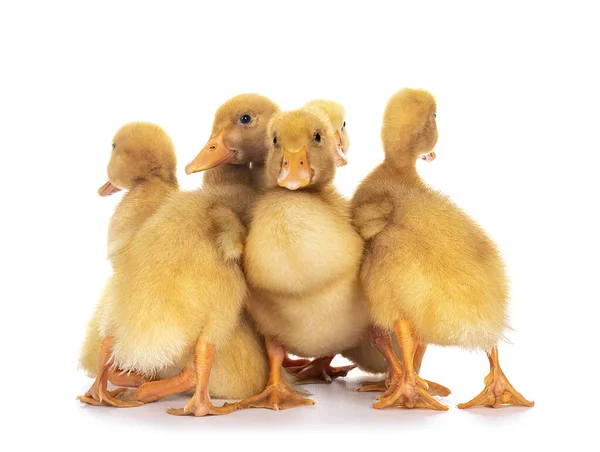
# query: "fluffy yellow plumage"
429, 272
302, 254
177, 294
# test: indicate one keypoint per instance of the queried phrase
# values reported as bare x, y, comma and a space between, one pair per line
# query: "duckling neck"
226, 175
257, 173
405, 171
232, 186
147, 188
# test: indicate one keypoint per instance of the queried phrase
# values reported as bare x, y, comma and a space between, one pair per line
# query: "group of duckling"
212, 289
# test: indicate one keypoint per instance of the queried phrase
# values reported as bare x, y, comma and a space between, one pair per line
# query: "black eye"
434, 115
114, 145
317, 137
275, 141
344, 125
245, 119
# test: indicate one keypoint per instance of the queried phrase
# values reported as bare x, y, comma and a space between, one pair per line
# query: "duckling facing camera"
302, 254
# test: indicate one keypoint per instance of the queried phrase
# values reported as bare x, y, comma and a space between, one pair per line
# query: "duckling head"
238, 134
302, 150
140, 151
409, 128
337, 115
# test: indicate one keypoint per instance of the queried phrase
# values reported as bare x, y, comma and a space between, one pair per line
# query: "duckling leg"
126, 379
277, 395
381, 340
289, 362
99, 394
320, 369
434, 389
156, 390
411, 390
200, 404
498, 390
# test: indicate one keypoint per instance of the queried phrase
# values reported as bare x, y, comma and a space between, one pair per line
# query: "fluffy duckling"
302, 254
337, 115
142, 162
320, 369
177, 293
443, 281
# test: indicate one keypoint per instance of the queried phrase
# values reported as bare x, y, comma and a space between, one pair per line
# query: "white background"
517, 91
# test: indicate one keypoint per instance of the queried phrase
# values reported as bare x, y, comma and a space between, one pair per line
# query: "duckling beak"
429, 157
341, 158
108, 189
215, 153
295, 170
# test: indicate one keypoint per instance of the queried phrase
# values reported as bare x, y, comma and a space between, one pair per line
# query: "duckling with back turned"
430, 273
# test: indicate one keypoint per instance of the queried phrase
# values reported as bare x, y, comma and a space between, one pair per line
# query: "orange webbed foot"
199, 406
497, 392
372, 386
320, 370
275, 397
101, 397
411, 392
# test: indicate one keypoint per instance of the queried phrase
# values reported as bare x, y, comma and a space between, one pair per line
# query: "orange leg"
156, 390
498, 390
289, 362
98, 394
277, 395
200, 404
381, 340
118, 378
320, 369
419, 353
411, 390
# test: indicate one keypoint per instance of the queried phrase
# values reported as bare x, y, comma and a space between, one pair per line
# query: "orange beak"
215, 153
340, 158
108, 189
429, 157
295, 170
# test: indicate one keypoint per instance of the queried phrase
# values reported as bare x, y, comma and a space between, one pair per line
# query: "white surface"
517, 89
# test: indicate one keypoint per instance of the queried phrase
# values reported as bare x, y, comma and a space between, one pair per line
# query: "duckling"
184, 264
320, 369
430, 273
337, 115
302, 254
143, 162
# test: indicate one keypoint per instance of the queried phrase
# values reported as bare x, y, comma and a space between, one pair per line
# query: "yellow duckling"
302, 254
337, 115
320, 369
430, 273
177, 293
143, 163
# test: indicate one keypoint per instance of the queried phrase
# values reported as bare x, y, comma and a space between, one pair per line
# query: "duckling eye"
245, 119
317, 137
344, 125
114, 145
275, 141
434, 115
